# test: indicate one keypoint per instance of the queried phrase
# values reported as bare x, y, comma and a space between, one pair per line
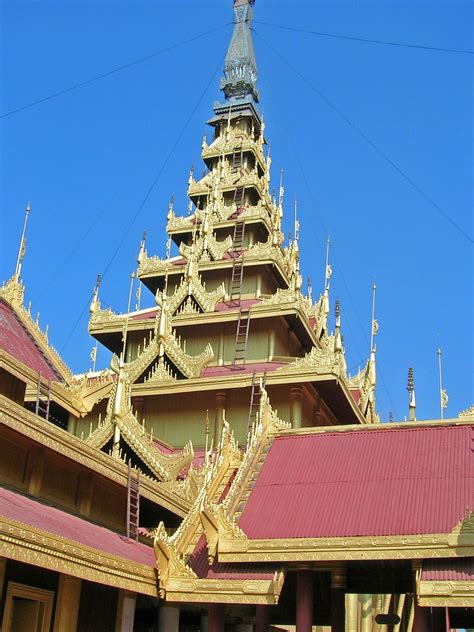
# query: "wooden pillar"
422, 619
35, 471
168, 618
204, 622
125, 611
72, 424
67, 604
271, 344
296, 406
3, 568
258, 289
304, 601
216, 613
262, 619
338, 599
85, 492
221, 399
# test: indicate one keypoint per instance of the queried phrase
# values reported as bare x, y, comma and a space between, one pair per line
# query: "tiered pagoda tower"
230, 308
225, 473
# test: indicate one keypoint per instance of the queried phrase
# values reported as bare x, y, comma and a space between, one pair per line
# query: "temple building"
226, 473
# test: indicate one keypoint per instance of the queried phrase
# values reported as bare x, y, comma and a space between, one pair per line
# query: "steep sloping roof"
412, 480
30, 512
461, 569
18, 342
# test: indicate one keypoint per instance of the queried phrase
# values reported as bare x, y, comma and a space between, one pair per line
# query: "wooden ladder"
255, 396
241, 339
133, 502
43, 398
236, 280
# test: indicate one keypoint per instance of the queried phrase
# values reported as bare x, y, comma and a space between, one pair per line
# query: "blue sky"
86, 160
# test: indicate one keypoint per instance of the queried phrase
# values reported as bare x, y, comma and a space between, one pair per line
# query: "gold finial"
337, 333
411, 391
443, 395
281, 191
22, 247
94, 357
142, 251
170, 209
328, 270
375, 326
297, 223
206, 456
95, 303
125, 327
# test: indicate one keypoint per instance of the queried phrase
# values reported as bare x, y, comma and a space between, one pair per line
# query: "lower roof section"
42, 535
379, 482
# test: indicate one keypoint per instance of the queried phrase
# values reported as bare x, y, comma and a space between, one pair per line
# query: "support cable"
367, 40
364, 136
145, 198
112, 72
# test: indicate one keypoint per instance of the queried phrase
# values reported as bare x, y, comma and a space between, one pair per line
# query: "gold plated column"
67, 604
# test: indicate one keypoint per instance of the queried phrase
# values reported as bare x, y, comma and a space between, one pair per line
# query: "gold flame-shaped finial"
22, 247
411, 391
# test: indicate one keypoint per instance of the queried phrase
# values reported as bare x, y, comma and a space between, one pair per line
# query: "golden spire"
337, 333
125, 327
374, 326
411, 391
94, 356
328, 269
443, 395
95, 303
22, 248
206, 456
142, 251
170, 209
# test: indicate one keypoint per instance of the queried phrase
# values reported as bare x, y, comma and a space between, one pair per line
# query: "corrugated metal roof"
40, 516
457, 569
409, 480
198, 561
15, 340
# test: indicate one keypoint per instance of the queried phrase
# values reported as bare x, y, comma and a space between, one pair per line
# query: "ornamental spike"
411, 391
22, 247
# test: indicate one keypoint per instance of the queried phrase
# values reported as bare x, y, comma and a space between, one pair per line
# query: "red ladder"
133, 502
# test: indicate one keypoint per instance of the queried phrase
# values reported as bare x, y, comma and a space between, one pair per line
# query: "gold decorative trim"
36, 428
27, 544
439, 593
439, 545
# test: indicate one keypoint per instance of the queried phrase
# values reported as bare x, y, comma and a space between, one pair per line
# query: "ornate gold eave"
235, 591
396, 547
59, 393
445, 593
237, 379
113, 325
148, 273
182, 225
44, 433
24, 543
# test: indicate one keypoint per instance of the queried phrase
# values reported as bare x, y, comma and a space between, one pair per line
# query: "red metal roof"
383, 481
40, 516
244, 303
258, 367
455, 569
198, 561
17, 341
